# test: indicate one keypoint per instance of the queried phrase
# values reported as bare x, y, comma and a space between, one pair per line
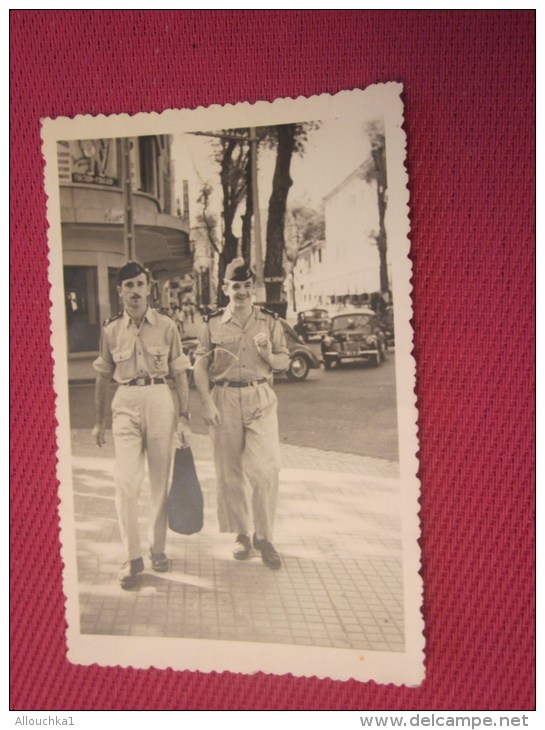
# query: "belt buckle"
140, 381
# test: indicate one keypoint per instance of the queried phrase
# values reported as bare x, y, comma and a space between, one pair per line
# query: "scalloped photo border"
194, 654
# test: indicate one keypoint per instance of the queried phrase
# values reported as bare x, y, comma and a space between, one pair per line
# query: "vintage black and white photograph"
237, 439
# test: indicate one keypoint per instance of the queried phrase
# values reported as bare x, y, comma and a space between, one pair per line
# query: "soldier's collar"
227, 315
149, 315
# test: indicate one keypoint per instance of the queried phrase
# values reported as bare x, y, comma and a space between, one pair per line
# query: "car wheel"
298, 369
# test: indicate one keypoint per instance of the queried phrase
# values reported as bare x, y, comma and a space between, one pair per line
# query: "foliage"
206, 219
310, 223
268, 136
232, 152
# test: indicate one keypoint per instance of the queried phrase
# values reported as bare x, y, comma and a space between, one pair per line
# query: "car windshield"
352, 322
315, 314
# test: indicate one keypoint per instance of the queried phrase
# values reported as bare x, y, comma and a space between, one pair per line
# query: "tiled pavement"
337, 530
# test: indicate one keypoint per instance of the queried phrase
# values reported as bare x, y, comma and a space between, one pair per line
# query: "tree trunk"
382, 243
379, 157
293, 290
277, 212
230, 241
248, 214
383, 271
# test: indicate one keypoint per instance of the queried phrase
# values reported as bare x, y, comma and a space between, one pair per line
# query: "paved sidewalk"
337, 530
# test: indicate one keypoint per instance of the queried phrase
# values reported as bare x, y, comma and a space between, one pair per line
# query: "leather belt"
236, 384
147, 381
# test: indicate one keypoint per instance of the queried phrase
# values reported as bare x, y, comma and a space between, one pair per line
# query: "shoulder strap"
269, 312
112, 319
164, 312
208, 317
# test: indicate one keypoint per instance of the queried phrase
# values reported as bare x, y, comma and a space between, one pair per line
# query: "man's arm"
272, 348
203, 353
104, 367
276, 360
182, 391
200, 373
178, 364
101, 400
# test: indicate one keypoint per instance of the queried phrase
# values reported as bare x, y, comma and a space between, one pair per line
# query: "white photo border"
403, 668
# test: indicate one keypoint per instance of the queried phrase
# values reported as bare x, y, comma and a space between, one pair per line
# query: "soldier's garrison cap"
130, 270
238, 270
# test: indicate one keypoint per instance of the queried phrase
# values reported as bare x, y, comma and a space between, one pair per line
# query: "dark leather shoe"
159, 562
243, 548
269, 556
128, 575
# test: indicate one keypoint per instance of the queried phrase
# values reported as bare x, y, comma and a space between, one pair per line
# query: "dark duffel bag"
185, 502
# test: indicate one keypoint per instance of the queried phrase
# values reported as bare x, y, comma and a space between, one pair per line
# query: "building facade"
205, 268
309, 276
345, 268
105, 184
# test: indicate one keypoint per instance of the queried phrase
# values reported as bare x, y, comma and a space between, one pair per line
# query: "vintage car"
312, 323
302, 359
352, 336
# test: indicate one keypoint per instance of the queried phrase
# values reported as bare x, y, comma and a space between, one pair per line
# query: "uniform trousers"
144, 421
246, 444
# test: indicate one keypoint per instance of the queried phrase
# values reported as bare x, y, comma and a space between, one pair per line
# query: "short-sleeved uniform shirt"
152, 350
231, 350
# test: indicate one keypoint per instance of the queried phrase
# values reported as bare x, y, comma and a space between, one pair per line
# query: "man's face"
240, 293
134, 292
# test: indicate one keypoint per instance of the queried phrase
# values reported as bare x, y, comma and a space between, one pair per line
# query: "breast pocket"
157, 359
123, 360
226, 349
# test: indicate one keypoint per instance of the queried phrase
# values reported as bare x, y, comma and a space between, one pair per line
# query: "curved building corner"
103, 226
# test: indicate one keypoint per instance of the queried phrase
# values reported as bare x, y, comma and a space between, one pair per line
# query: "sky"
332, 152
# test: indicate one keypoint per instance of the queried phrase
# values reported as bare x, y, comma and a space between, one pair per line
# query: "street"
351, 409
348, 409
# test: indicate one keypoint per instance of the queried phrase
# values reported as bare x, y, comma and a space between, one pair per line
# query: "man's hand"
211, 415
183, 431
264, 345
98, 434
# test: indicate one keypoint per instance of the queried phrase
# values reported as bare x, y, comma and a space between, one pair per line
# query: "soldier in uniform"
239, 348
140, 348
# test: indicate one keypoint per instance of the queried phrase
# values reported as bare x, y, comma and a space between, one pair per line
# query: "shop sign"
79, 177
113, 215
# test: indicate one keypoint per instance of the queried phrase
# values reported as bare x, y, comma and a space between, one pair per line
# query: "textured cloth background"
469, 111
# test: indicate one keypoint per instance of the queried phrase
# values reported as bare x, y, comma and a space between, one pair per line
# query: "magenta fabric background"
469, 109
